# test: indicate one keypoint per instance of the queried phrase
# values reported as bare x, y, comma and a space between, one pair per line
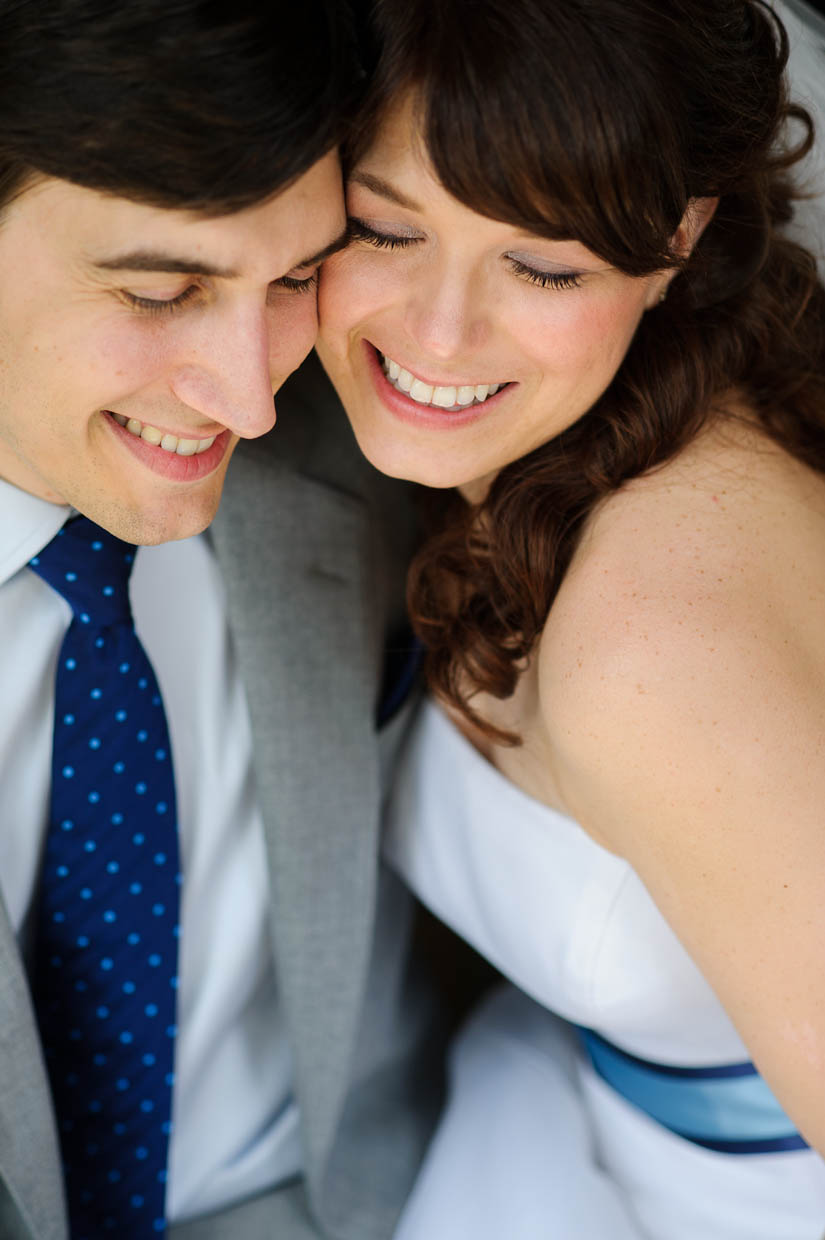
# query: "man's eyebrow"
377, 185
339, 243
158, 261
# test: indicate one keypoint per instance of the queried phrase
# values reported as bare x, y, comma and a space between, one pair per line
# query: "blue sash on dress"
727, 1108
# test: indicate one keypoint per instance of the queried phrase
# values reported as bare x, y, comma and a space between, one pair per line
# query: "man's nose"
227, 374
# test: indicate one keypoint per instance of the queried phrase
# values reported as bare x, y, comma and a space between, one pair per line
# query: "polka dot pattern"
105, 977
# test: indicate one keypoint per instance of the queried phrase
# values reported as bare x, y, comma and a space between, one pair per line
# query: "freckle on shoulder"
686, 561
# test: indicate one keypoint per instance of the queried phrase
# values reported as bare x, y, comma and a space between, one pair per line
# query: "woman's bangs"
555, 150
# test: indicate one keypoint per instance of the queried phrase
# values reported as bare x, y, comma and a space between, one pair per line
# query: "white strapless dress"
533, 1144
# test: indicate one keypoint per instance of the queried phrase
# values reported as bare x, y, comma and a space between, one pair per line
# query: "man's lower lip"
169, 464
426, 416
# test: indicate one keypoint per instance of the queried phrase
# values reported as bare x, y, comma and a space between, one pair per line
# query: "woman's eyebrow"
377, 185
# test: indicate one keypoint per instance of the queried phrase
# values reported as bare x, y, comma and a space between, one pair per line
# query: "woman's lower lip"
425, 416
168, 464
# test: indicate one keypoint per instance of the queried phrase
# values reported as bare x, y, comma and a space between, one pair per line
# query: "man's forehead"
114, 233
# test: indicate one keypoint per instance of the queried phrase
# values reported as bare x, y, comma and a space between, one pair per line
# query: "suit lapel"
29, 1157
294, 554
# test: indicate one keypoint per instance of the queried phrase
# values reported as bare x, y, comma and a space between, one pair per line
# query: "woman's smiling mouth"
450, 398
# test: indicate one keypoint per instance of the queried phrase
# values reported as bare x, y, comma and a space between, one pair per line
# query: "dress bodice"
569, 922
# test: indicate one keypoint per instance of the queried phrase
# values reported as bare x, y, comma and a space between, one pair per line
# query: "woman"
571, 311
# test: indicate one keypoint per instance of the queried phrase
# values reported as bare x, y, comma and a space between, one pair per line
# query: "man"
168, 188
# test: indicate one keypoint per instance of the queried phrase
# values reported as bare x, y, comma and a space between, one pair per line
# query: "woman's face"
459, 343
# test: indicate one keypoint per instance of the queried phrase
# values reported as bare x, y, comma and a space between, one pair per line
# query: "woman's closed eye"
545, 279
359, 230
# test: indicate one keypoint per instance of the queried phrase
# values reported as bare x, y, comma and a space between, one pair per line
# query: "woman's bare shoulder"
682, 686
700, 583
731, 500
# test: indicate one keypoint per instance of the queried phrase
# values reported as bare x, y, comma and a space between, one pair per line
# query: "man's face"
137, 344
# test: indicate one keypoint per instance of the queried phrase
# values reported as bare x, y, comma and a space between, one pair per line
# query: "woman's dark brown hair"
600, 120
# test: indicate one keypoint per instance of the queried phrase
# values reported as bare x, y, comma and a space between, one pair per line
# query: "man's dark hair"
210, 105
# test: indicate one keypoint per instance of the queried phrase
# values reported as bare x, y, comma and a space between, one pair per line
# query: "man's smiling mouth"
439, 397
169, 443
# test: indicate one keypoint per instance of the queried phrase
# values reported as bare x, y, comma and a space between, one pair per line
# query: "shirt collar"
27, 524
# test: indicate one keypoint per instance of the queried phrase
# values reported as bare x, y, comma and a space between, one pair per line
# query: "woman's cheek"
588, 330
356, 285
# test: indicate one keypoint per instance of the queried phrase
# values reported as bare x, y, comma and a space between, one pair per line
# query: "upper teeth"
169, 443
429, 394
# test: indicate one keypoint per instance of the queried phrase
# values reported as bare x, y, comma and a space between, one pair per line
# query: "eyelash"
154, 305
298, 286
546, 279
359, 231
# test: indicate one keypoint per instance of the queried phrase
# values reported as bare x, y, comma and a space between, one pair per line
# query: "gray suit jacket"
312, 544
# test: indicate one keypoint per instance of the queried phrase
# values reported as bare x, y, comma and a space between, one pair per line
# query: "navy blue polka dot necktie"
104, 978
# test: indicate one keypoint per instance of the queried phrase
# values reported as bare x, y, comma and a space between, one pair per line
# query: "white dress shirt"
235, 1122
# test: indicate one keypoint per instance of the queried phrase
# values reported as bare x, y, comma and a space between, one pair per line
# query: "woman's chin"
425, 467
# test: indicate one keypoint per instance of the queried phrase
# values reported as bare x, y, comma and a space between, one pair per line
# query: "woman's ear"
693, 223
699, 213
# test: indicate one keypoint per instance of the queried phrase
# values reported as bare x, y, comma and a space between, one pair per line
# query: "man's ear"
697, 216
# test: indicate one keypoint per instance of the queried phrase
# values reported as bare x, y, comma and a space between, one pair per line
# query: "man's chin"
148, 527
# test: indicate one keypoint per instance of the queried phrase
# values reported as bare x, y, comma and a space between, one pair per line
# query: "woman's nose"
446, 316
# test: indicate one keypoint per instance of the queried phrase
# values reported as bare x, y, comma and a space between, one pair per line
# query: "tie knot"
90, 568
